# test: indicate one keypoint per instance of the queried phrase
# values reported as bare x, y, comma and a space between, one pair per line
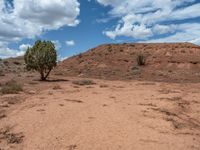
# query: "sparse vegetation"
84, 82
1, 73
57, 87
110, 48
5, 62
41, 57
11, 138
141, 60
11, 87
194, 62
16, 63
136, 70
103, 86
80, 55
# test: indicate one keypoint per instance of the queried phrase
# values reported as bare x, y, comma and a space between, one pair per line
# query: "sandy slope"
119, 115
171, 62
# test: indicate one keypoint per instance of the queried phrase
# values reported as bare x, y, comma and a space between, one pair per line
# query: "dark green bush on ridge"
141, 60
42, 57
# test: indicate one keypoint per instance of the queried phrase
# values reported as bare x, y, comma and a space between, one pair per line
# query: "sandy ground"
110, 115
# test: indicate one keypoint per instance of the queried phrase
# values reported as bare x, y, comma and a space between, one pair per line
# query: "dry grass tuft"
84, 82
11, 87
11, 138
57, 87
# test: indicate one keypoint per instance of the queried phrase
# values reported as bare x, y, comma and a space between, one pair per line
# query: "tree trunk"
43, 76
47, 74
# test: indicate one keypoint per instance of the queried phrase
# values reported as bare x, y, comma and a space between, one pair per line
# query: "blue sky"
78, 25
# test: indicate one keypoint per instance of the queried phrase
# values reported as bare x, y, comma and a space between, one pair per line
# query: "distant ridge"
173, 62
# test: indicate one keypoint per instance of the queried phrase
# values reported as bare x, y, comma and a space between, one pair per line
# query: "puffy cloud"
6, 52
189, 33
24, 47
57, 44
48, 14
21, 19
29, 18
70, 43
163, 29
139, 31
143, 19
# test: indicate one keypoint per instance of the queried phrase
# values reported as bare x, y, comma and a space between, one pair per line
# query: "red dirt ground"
127, 108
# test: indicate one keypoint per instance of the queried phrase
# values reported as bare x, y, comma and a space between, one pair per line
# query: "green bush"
42, 57
141, 60
11, 87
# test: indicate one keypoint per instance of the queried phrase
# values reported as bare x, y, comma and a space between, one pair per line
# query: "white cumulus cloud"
24, 47
31, 18
145, 19
189, 33
6, 52
57, 44
70, 43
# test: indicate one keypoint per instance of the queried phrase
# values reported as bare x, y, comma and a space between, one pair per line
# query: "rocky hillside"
177, 62
11, 65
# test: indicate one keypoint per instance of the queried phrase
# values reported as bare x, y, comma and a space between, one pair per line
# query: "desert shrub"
183, 51
16, 63
136, 70
11, 87
1, 73
110, 48
133, 45
80, 55
57, 87
141, 60
11, 138
33, 83
121, 50
5, 62
42, 57
103, 86
84, 82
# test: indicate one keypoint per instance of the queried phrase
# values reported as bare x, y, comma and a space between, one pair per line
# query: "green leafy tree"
42, 57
